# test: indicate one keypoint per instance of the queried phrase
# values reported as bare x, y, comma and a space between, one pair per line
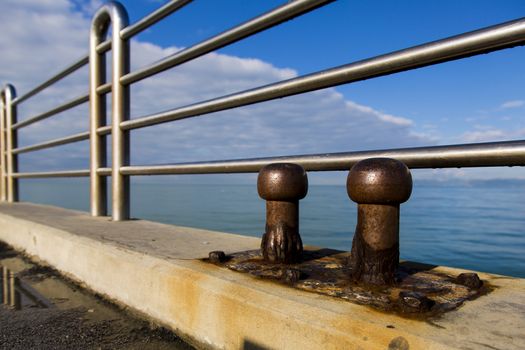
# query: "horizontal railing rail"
258, 24
51, 174
491, 154
53, 143
59, 76
64, 107
498, 37
127, 33
477, 42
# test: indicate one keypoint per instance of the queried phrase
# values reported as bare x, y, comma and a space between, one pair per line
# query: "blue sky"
474, 100
448, 99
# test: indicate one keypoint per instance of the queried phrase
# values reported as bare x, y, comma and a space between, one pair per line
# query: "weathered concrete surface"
154, 269
52, 313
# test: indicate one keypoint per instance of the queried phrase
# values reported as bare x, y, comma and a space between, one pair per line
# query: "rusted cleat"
282, 185
378, 185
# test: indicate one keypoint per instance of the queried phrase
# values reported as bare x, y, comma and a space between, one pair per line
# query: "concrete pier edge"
155, 269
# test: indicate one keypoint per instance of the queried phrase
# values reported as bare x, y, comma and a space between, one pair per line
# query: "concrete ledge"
154, 269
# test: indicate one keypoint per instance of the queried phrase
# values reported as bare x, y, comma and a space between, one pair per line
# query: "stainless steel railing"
505, 153
9, 161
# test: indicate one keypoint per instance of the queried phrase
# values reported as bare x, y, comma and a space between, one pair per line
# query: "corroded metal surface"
282, 185
418, 292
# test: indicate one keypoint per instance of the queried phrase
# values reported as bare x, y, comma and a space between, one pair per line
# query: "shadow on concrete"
251, 345
309, 255
411, 267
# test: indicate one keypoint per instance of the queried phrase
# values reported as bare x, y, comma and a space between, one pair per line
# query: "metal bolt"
217, 256
291, 275
470, 280
414, 302
378, 185
282, 185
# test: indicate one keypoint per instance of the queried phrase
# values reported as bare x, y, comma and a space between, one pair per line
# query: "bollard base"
372, 266
419, 292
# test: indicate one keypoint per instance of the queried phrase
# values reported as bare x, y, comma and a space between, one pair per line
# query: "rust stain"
185, 295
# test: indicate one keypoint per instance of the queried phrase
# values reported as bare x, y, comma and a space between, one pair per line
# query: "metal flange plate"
419, 292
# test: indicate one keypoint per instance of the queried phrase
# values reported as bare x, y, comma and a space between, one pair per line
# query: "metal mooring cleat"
377, 279
378, 185
282, 185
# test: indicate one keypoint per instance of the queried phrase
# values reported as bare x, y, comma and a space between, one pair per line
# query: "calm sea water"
480, 226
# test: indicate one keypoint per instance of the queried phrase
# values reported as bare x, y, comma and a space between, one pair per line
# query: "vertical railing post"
9, 142
5, 285
115, 14
97, 112
3, 166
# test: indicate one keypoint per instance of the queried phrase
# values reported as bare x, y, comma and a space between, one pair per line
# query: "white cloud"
41, 37
489, 134
484, 135
512, 104
463, 175
89, 7
383, 116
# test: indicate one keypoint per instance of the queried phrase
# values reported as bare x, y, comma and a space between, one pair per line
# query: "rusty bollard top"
379, 181
282, 182
282, 185
378, 185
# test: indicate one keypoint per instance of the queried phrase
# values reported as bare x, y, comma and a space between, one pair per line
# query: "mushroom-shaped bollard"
282, 185
378, 185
